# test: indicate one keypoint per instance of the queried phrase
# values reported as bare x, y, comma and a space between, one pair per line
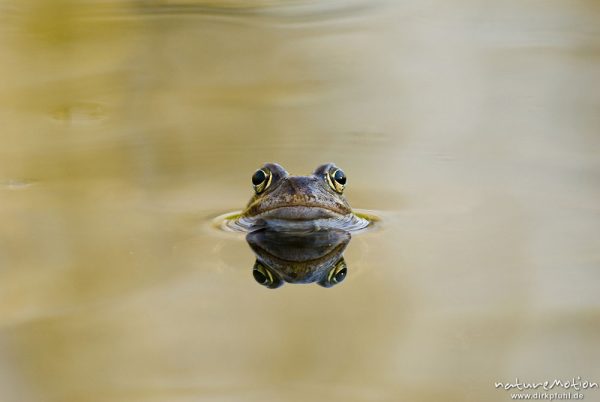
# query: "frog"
282, 197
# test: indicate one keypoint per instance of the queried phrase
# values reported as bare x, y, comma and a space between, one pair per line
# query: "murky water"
472, 129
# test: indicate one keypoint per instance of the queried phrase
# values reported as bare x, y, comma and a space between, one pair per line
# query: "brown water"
472, 128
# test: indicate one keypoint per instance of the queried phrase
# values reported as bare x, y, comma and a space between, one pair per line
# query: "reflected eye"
340, 275
263, 276
336, 275
261, 180
337, 180
260, 277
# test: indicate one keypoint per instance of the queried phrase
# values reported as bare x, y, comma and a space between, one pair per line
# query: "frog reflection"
299, 257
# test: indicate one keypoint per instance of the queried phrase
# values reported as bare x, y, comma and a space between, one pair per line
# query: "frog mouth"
300, 212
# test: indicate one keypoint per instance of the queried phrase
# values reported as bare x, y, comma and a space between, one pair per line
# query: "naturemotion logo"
540, 390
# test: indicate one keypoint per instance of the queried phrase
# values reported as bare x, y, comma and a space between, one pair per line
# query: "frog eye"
261, 179
337, 180
264, 276
336, 275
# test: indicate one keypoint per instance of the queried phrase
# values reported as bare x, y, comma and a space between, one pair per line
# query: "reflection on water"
299, 257
127, 125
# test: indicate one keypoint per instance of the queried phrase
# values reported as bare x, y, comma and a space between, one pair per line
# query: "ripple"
359, 221
79, 112
263, 11
294, 9
16, 184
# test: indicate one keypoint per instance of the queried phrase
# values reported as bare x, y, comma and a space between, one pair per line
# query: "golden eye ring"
261, 180
336, 180
263, 276
338, 273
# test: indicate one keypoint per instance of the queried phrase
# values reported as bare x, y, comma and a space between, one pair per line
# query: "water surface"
127, 126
